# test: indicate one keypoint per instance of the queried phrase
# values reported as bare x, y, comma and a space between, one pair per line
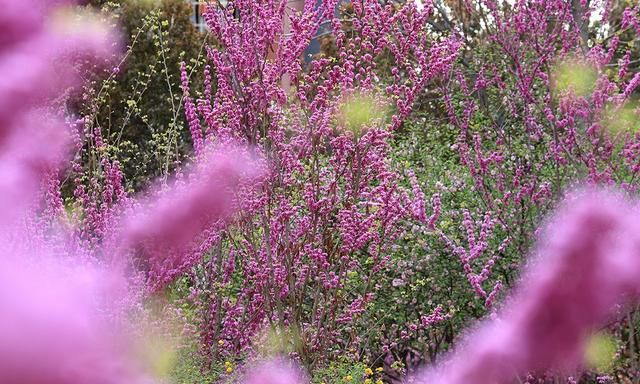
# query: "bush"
139, 105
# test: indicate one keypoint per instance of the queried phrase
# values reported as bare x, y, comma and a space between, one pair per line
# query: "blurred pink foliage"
275, 372
51, 329
165, 224
32, 63
585, 267
60, 319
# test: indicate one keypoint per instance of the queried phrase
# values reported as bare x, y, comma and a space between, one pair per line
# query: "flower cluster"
311, 240
64, 299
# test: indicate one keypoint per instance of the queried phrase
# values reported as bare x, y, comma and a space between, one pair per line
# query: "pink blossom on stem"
585, 265
437, 210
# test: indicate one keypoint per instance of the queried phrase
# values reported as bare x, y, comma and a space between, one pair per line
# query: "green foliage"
139, 109
346, 371
139, 104
190, 369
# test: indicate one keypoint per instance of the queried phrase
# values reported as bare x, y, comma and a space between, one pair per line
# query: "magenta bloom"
586, 263
167, 229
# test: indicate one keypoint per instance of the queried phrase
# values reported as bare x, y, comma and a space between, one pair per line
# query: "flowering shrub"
562, 119
311, 243
530, 114
66, 290
333, 211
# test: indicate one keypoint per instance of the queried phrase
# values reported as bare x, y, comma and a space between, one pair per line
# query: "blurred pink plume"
36, 50
54, 321
586, 264
54, 329
174, 216
275, 372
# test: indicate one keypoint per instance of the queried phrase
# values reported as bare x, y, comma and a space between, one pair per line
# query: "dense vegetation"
450, 184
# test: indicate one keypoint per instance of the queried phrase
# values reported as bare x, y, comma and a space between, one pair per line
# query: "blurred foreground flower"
275, 372
53, 331
35, 62
587, 263
173, 217
62, 318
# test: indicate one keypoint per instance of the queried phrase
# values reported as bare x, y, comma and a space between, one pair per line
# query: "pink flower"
586, 263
